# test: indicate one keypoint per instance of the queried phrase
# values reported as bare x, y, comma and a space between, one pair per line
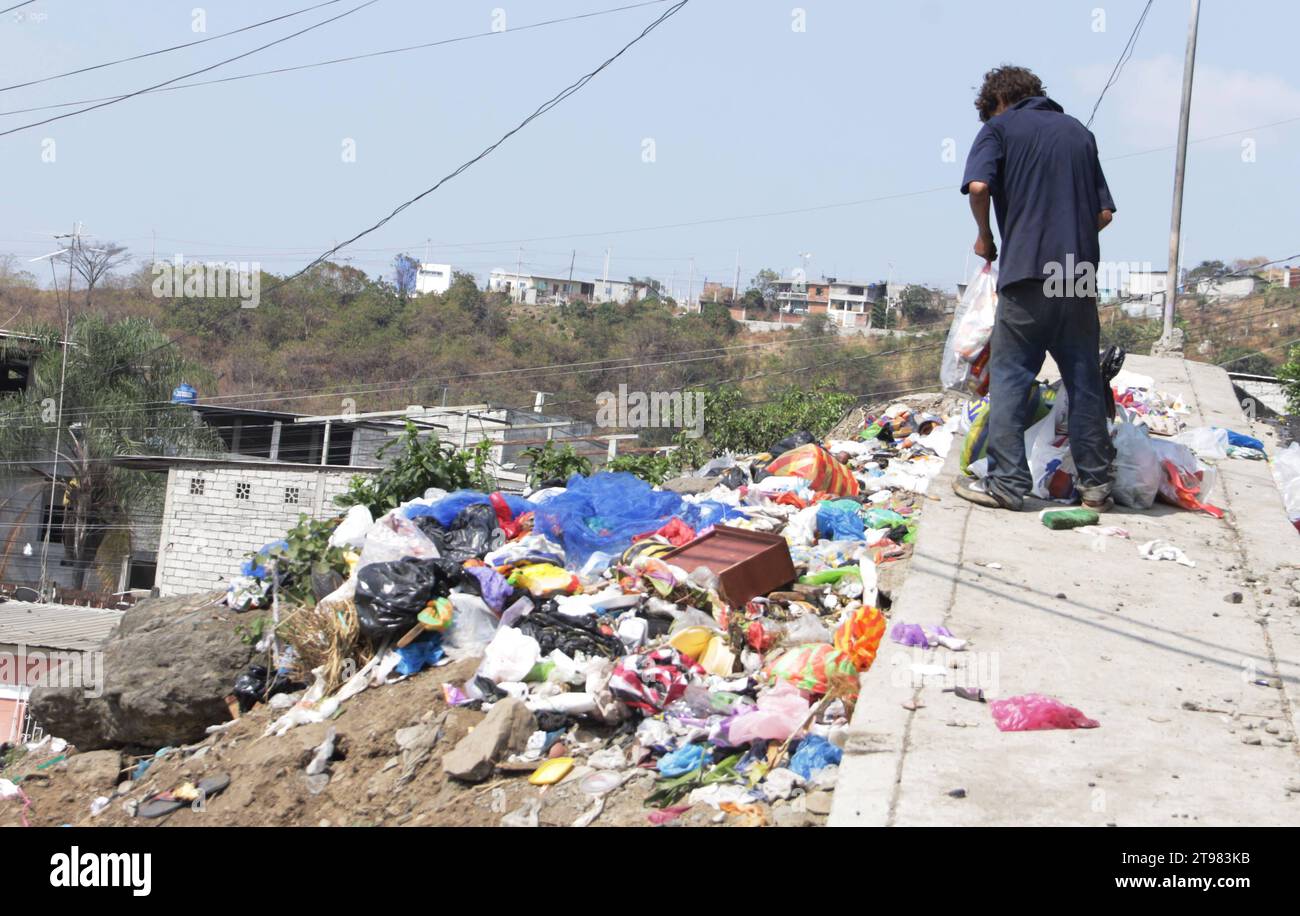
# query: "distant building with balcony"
796, 295
850, 302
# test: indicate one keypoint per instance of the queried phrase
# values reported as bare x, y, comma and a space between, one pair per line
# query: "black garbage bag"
569, 634
390, 595
551, 721
733, 478
250, 687
428, 525
324, 580
792, 441
472, 535
1112, 361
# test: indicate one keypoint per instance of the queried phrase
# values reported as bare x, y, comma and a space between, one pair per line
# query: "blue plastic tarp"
605, 511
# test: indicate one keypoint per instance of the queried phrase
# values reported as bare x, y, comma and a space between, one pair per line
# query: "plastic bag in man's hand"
1035, 712
972, 328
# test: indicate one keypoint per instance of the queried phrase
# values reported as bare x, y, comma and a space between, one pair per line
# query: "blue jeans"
1029, 325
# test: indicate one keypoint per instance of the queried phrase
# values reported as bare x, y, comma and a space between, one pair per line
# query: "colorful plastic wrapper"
817, 466
544, 578
815, 667
859, 637
652, 680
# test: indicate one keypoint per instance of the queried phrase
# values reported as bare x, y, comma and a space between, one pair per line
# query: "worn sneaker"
976, 491
1097, 499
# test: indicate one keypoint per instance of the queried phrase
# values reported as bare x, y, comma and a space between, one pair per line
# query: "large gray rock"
506, 728
167, 669
97, 771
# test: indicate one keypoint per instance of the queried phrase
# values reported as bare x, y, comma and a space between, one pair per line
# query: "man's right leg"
1019, 343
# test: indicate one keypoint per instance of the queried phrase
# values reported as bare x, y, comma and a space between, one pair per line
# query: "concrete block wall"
209, 528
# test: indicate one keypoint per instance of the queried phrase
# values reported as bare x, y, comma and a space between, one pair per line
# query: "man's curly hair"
1006, 85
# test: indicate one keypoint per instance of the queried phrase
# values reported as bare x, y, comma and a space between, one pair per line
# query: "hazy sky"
744, 114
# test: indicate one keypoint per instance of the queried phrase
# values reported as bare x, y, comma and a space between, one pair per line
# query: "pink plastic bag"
1035, 712
780, 712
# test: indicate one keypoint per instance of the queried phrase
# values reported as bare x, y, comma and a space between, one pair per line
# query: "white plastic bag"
395, 537
509, 656
1286, 468
351, 532
473, 625
1205, 441
1048, 449
972, 327
1138, 473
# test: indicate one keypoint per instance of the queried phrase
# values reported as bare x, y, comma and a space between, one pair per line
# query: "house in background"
1284, 277
850, 302
47, 643
619, 291
280, 467
536, 289
432, 278
798, 296
1227, 289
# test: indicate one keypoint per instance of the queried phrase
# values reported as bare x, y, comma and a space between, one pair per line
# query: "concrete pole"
1167, 342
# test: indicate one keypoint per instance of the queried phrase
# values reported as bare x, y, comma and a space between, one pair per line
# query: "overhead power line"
348, 59
573, 88
188, 44
542, 109
1124, 56
220, 63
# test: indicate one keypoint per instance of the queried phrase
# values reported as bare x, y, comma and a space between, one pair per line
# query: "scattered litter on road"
1035, 712
1163, 550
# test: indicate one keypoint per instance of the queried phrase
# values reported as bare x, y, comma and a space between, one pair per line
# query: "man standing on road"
1039, 167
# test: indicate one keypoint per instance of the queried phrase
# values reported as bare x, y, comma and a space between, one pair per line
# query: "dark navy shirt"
1042, 169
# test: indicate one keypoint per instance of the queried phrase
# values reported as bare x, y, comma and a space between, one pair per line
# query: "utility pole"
690, 288
74, 243
604, 280
1167, 343
519, 284
735, 286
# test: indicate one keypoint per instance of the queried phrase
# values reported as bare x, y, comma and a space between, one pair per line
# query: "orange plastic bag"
817, 466
1186, 487
859, 637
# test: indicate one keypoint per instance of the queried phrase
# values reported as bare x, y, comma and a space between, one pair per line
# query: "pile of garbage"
712, 630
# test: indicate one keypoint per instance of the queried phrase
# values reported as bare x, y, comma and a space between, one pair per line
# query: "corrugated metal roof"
55, 626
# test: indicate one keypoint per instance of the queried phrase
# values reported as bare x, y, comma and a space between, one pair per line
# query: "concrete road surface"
1131, 642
